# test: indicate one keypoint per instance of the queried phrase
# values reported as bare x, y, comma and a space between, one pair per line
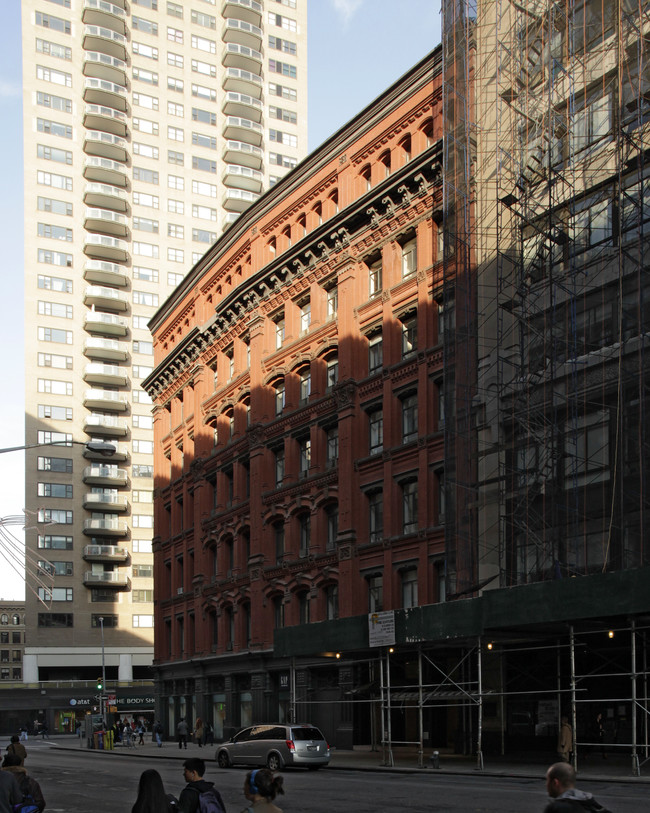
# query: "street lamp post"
97, 446
103, 690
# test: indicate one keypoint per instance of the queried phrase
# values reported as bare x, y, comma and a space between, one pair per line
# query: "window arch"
365, 177
405, 146
385, 161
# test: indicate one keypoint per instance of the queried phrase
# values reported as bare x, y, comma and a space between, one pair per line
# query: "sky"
357, 48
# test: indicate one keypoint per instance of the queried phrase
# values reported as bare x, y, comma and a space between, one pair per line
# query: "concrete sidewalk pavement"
591, 767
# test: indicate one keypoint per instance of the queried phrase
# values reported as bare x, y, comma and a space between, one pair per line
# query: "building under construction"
546, 336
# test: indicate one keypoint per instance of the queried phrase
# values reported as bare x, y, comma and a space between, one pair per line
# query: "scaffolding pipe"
479, 733
390, 761
420, 716
573, 697
636, 771
292, 690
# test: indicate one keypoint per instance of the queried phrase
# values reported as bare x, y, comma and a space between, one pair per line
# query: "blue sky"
357, 48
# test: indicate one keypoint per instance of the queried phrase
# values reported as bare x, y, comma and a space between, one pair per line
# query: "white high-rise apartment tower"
149, 125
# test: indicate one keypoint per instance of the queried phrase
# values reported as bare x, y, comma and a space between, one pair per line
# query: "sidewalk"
617, 767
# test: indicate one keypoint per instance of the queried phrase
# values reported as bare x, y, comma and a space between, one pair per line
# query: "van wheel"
222, 759
273, 762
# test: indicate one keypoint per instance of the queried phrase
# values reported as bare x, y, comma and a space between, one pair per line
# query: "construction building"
149, 126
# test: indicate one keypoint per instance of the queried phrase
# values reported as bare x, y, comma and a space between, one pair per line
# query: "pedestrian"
182, 730
157, 731
23, 734
10, 794
17, 749
140, 733
151, 795
29, 787
188, 801
565, 740
261, 788
44, 731
208, 736
127, 731
198, 732
565, 797
600, 734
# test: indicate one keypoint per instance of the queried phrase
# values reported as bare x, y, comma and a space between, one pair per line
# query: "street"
78, 781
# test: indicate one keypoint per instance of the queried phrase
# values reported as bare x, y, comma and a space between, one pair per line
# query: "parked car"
276, 746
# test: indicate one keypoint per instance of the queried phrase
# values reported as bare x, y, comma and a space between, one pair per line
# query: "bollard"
434, 759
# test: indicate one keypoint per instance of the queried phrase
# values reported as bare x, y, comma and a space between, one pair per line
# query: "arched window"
405, 145
384, 159
366, 178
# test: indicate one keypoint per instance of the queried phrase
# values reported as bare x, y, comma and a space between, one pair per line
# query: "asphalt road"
78, 782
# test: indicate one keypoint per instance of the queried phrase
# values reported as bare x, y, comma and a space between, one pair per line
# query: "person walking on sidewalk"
189, 801
17, 749
565, 797
261, 788
565, 740
158, 731
182, 730
198, 732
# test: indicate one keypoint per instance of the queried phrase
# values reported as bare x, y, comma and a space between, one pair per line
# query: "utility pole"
102, 695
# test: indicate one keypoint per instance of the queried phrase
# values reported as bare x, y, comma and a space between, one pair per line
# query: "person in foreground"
188, 801
28, 786
565, 797
10, 794
151, 795
261, 788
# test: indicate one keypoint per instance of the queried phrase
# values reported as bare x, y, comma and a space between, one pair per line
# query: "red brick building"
299, 426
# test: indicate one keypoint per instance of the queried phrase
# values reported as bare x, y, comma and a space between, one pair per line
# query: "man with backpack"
32, 795
199, 796
565, 797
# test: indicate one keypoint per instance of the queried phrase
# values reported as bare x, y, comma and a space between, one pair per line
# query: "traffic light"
100, 684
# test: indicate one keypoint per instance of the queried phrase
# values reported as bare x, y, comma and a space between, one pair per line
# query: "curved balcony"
108, 579
105, 502
111, 273
243, 178
242, 82
106, 324
248, 10
99, 91
121, 451
106, 425
106, 196
101, 38
242, 33
106, 349
104, 170
236, 200
238, 152
99, 475
105, 553
242, 57
106, 222
103, 117
229, 219
105, 66
105, 399
243, 130
111, 374
103, 13
105, 527
106, 248
102, 297
241, 104
106, 145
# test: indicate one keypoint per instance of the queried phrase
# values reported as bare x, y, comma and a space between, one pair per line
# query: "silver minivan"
276, 746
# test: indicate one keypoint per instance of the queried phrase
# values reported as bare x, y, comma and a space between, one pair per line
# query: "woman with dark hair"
151, 795
261, 788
